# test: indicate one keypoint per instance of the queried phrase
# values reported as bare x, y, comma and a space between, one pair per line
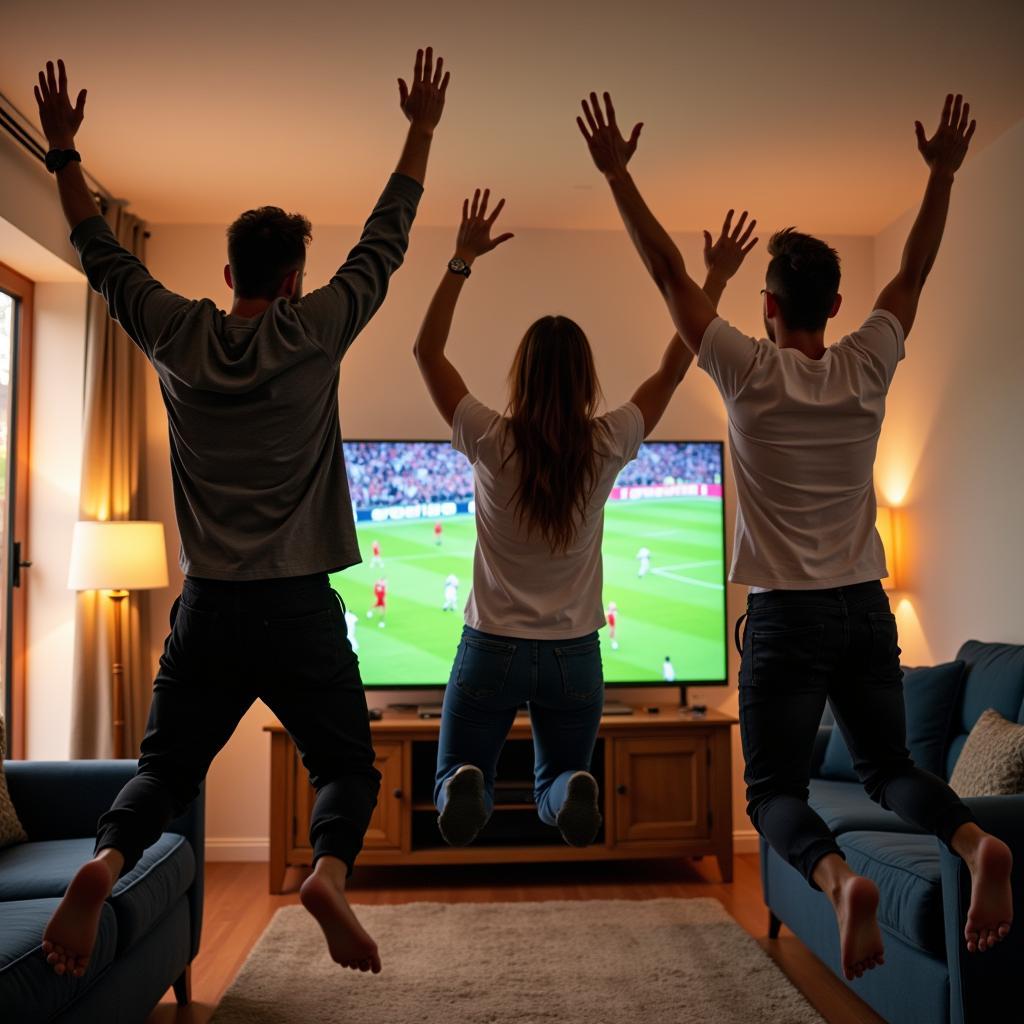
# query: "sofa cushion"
995, 679
10, 827
140, 898
992, 760
906, 870
845, 807
930, 696
144, 895
28, 989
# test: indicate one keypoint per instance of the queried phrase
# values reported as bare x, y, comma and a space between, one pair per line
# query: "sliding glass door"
16, 294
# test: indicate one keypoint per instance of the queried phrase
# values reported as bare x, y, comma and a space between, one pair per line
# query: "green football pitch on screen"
674, 610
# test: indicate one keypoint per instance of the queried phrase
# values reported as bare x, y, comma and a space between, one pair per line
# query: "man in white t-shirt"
804, 421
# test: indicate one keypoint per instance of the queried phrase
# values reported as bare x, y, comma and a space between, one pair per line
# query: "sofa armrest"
64, 800
982, 985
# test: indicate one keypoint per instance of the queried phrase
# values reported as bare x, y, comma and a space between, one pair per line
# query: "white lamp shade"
119, 555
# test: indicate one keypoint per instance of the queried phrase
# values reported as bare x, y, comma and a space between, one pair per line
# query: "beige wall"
592, 276
951, 449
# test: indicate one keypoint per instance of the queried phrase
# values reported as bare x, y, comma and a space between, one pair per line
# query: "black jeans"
799, 648
283, 641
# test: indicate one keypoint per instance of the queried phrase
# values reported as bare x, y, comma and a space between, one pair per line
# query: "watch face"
457, 265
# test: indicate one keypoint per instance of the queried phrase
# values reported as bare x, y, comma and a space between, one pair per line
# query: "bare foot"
71, 933
991, 911
347, 941
856, 905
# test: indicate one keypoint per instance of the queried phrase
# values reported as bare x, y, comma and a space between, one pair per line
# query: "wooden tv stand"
666, 789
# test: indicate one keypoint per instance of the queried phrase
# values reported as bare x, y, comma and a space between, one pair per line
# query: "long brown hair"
553, 394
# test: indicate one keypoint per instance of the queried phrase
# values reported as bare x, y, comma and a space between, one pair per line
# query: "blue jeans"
560, 680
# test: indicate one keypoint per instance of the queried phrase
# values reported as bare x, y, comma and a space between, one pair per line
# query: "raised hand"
475, 230
609, 150
944, 152
423, 102
723, 258
59, 119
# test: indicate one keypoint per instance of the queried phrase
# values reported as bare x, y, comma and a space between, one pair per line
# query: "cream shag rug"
591, 962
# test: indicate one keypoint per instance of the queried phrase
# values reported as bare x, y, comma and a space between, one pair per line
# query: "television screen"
664, 563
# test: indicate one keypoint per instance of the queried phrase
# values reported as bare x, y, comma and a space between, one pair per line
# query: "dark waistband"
283, 585
855, 594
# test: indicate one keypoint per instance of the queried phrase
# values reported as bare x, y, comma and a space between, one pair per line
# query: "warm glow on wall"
888, 528
893, 483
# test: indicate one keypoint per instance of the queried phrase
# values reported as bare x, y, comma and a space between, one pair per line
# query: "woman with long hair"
542, 474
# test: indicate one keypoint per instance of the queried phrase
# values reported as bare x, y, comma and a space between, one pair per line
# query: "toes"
59, 968
47, 946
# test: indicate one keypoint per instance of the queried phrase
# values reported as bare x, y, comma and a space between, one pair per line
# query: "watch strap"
56, 159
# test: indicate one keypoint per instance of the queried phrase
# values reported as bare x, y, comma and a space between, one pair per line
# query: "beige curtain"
112, 487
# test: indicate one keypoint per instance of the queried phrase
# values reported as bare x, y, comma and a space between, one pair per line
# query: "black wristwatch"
459, 266
57, 159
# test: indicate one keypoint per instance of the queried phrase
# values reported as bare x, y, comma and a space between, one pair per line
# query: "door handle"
17, 564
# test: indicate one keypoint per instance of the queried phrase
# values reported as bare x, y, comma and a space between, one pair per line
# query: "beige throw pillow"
992, 761
11, 831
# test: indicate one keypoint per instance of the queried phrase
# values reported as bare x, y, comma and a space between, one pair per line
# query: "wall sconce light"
888, 525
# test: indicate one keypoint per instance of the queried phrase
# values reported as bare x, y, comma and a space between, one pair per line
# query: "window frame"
23, 291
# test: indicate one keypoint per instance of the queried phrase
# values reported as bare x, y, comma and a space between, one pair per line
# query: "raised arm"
944, 152
689, 307
60, 122
722, 259
443, 381
422, 104
335, 314
141, 305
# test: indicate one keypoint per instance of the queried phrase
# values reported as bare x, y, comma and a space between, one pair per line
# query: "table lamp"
117, 557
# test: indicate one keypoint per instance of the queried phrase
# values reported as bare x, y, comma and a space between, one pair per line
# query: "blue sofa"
928, 976
149, 931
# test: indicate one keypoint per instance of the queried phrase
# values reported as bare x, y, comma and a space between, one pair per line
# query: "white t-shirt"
803, 434
520, 587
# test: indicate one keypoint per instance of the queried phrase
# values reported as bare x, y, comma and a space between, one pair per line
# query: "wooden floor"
238, 909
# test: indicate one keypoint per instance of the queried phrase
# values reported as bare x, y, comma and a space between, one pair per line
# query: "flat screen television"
664, 564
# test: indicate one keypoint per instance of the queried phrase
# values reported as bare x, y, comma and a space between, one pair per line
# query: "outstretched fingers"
597, 110
946, 108
588, 114
579, 121
739, 226
438, 72
494, 213
612, 123
481, 213
475, 204
428, 65
727, 224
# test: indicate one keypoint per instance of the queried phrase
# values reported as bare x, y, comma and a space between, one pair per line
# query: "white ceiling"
802, 111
